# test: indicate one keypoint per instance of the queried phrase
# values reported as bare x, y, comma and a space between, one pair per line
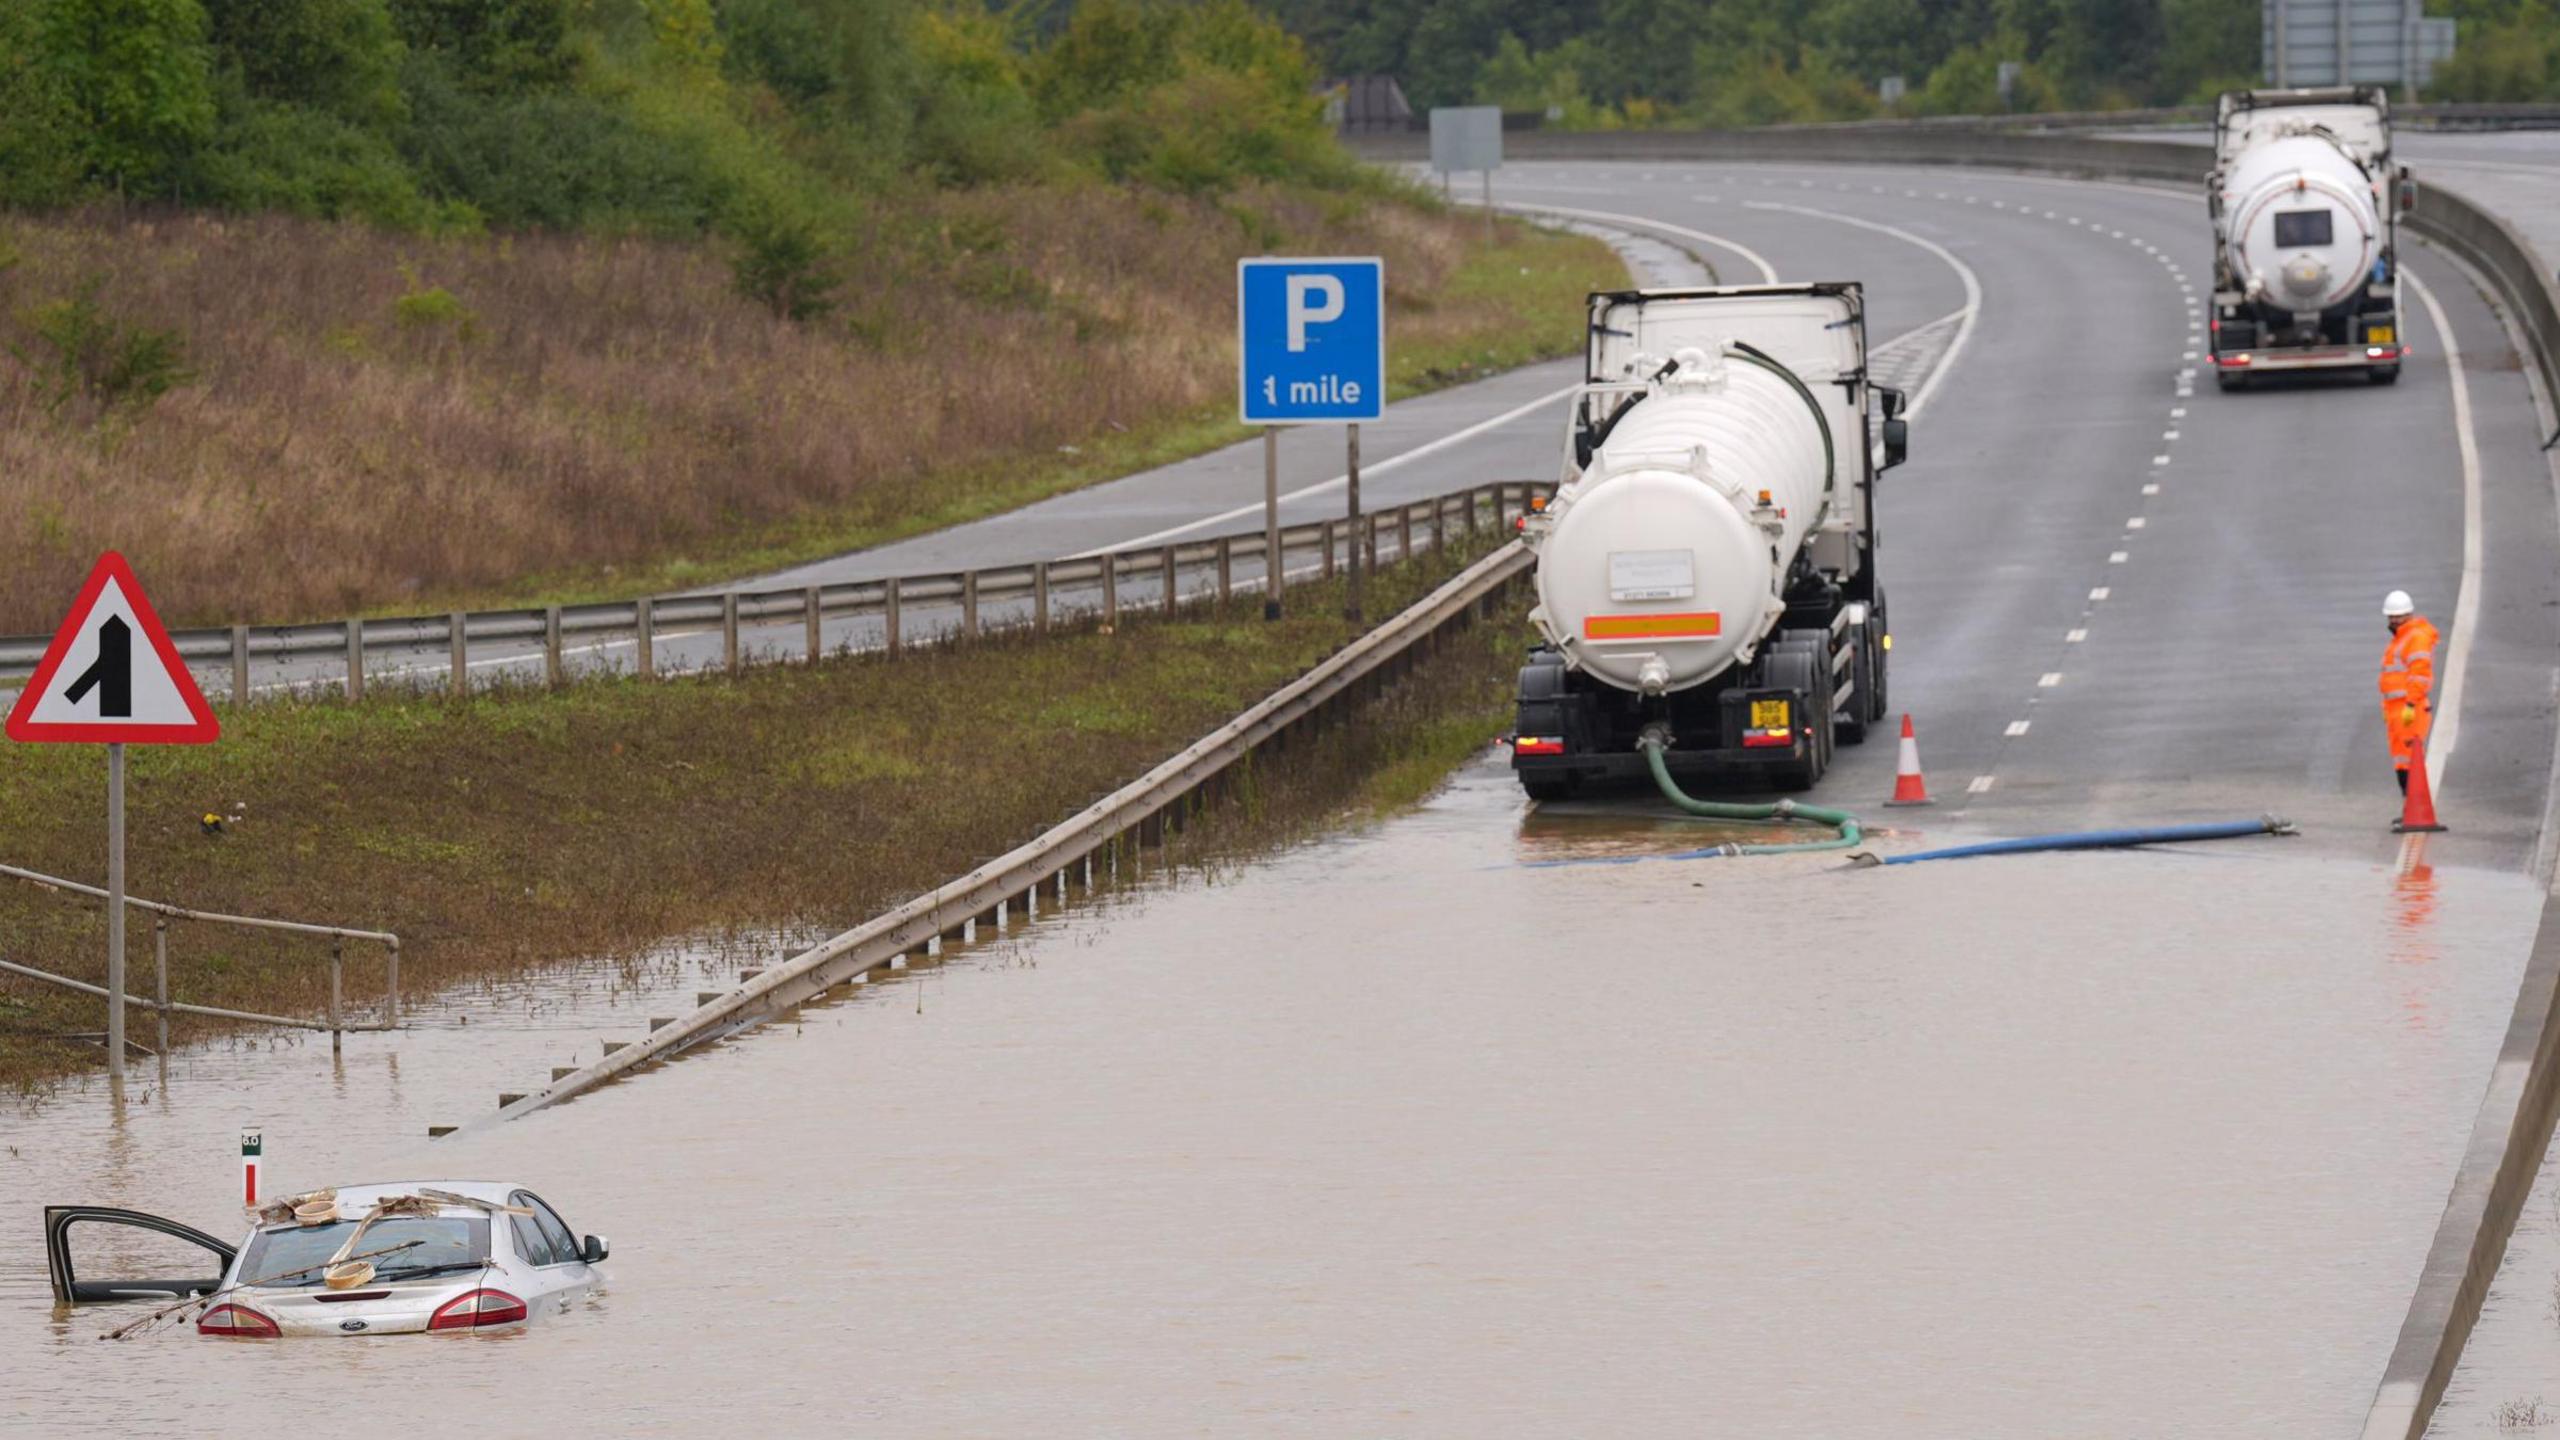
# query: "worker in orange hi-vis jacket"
2408, 680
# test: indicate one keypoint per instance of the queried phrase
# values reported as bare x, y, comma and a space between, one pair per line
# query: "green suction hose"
1651, 743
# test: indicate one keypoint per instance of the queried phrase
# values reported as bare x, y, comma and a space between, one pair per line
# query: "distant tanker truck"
1708, 564
2305, 205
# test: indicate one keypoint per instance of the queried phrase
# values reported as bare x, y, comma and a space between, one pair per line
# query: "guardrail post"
1439, 524
1327, 543
1226, 568
160, 976
239, 664
554, 671
969, 604
1171, 594
391, 999
729, 633
889, 616
355, 660
809, 605
644, 620
1040, 597
1474, 493
1111, 589
1404, 533
457, 630
337, 966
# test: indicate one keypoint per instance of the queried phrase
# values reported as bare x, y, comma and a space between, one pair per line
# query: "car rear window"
442, 1240
2301, 229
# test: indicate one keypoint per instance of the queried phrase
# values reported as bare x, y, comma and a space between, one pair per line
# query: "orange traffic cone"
2418, 812
1908, 787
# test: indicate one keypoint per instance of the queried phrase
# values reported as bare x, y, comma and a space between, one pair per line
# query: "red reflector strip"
1537, 745
1755, 739
1693, 624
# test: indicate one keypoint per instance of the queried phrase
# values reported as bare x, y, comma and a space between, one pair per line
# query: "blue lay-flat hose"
2095, 840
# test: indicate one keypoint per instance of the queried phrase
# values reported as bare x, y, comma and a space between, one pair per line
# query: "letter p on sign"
1312, 340
1304, 311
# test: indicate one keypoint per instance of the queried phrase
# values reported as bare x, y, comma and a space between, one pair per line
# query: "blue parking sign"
1314, 336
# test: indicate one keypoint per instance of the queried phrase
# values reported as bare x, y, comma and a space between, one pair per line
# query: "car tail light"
238, 1320
477, 1308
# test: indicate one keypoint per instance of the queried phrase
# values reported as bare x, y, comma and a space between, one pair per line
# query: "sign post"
1312, 349
97, 685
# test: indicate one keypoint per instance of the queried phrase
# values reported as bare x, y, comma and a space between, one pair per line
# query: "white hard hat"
2397, 604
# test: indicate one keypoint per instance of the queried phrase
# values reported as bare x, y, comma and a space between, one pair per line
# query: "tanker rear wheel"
2383, 374
1798, 662
2230, 382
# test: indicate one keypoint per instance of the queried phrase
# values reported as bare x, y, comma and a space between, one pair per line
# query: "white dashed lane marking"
2074, 637
2098, 594
2017, 728
1981, 786
2049, 679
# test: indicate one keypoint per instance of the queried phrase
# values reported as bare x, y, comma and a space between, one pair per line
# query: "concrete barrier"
2512, 1129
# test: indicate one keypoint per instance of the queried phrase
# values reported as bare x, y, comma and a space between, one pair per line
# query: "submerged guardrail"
1139, 814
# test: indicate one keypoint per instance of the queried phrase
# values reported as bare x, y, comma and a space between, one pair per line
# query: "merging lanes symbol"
95, 684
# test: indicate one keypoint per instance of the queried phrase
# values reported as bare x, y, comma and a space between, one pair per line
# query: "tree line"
1749, 62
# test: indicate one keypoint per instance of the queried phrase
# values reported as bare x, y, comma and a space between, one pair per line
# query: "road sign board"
112, 674
1314, 339
1466, 137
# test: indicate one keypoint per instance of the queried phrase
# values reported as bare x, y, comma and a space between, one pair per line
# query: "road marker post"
96, 685
1351, 476
1312, 348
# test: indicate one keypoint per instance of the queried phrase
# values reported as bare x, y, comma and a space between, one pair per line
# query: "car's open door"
96, 1253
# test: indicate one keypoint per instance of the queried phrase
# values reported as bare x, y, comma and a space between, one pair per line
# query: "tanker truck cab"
1706, 570
2305, 203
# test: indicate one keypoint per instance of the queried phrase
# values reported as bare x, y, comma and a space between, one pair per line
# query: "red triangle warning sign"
112, 673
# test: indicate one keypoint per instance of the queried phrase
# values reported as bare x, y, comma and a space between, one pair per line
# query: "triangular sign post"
113, 677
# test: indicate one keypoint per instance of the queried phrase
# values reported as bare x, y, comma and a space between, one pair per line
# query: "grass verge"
341, 420
522, 827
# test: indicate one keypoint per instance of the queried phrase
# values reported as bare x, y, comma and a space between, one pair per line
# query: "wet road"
2121, 1145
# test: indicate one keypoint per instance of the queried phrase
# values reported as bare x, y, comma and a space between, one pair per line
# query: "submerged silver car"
391, 1259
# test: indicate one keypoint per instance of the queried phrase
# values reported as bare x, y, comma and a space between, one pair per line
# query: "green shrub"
339, 56
553, 158
783, 262
87, 353
134, 78
39, 131
268, 156
432, 308
975, 119
492, 45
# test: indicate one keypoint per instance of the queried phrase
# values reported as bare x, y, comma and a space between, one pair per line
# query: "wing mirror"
594, 1250
1891, 398
1897, 442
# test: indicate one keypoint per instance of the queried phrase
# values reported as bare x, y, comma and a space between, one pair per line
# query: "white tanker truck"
2306, 206
1708, 563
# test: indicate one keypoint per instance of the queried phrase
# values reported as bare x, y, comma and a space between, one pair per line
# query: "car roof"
355, 1200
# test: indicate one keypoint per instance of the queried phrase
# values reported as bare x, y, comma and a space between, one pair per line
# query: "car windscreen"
290, 1256
2301, 229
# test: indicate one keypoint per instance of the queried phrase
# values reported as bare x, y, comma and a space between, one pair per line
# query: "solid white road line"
2466, 600
1367, 469
1971, 311
1768, 272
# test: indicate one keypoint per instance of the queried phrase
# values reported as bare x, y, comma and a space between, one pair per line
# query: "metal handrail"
163, 913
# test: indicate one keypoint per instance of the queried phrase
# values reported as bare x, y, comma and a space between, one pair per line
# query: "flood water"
1397, 1135
2508, 1380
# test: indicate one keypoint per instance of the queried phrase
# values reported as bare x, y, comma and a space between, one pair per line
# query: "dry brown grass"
606, 413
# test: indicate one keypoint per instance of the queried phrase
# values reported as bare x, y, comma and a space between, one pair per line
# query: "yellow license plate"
2381, 335
1768, 714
